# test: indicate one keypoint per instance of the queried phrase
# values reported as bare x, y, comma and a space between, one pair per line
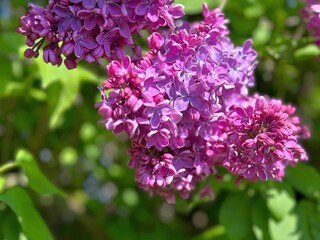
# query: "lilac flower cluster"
92, 29
171, 100
184, 104
311, 14
261, 139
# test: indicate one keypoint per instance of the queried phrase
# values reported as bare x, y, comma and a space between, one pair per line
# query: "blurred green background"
48, 128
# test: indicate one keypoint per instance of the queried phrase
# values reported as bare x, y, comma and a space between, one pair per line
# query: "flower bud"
155, 40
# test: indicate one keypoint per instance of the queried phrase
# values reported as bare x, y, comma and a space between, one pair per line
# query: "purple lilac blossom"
92, 29
261, 139
184, 104
170, 103
311, 14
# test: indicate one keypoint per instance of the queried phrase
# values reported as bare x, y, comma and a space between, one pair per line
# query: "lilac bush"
185, 103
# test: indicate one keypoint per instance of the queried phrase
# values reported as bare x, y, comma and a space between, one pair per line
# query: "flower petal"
141, 9
181, 104
115, 10
89, 4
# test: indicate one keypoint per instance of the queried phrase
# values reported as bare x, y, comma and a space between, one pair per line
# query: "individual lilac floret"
262, 139
92, 29
170, 101
311, 14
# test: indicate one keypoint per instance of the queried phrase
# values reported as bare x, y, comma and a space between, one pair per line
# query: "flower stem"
6, 167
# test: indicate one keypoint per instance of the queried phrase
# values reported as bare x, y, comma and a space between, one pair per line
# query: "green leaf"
260, 216
305, 211
280, 202
6, 74
217, 232
304, 179
285, 229
37, 180
2, 183
309, 220
70, 81
195, 7
49, 74
9, 225
307, 52
234, 216
31, 222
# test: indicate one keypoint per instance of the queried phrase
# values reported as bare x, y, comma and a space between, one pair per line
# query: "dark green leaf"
9, 225
305, 179
6, 74
309, 220
260, 216
234, 216
31, 222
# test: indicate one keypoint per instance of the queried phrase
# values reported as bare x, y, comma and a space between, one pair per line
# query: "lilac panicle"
262, 136
170, 101
92, 29
185, 106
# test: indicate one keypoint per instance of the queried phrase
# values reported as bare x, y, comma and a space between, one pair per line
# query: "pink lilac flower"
92, 29
262, 138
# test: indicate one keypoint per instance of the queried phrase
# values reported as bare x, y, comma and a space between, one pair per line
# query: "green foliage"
195, 7
37, 180
47, 117
260, 216
70, 84
279, 202
234, 216
307, 52
217, 232
2, 183
309, 220
9, 226
285, 229
31, 222
305, 179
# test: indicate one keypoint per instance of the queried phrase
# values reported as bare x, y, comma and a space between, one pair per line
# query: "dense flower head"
262, 138
311, 14
92, 29
170, 102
